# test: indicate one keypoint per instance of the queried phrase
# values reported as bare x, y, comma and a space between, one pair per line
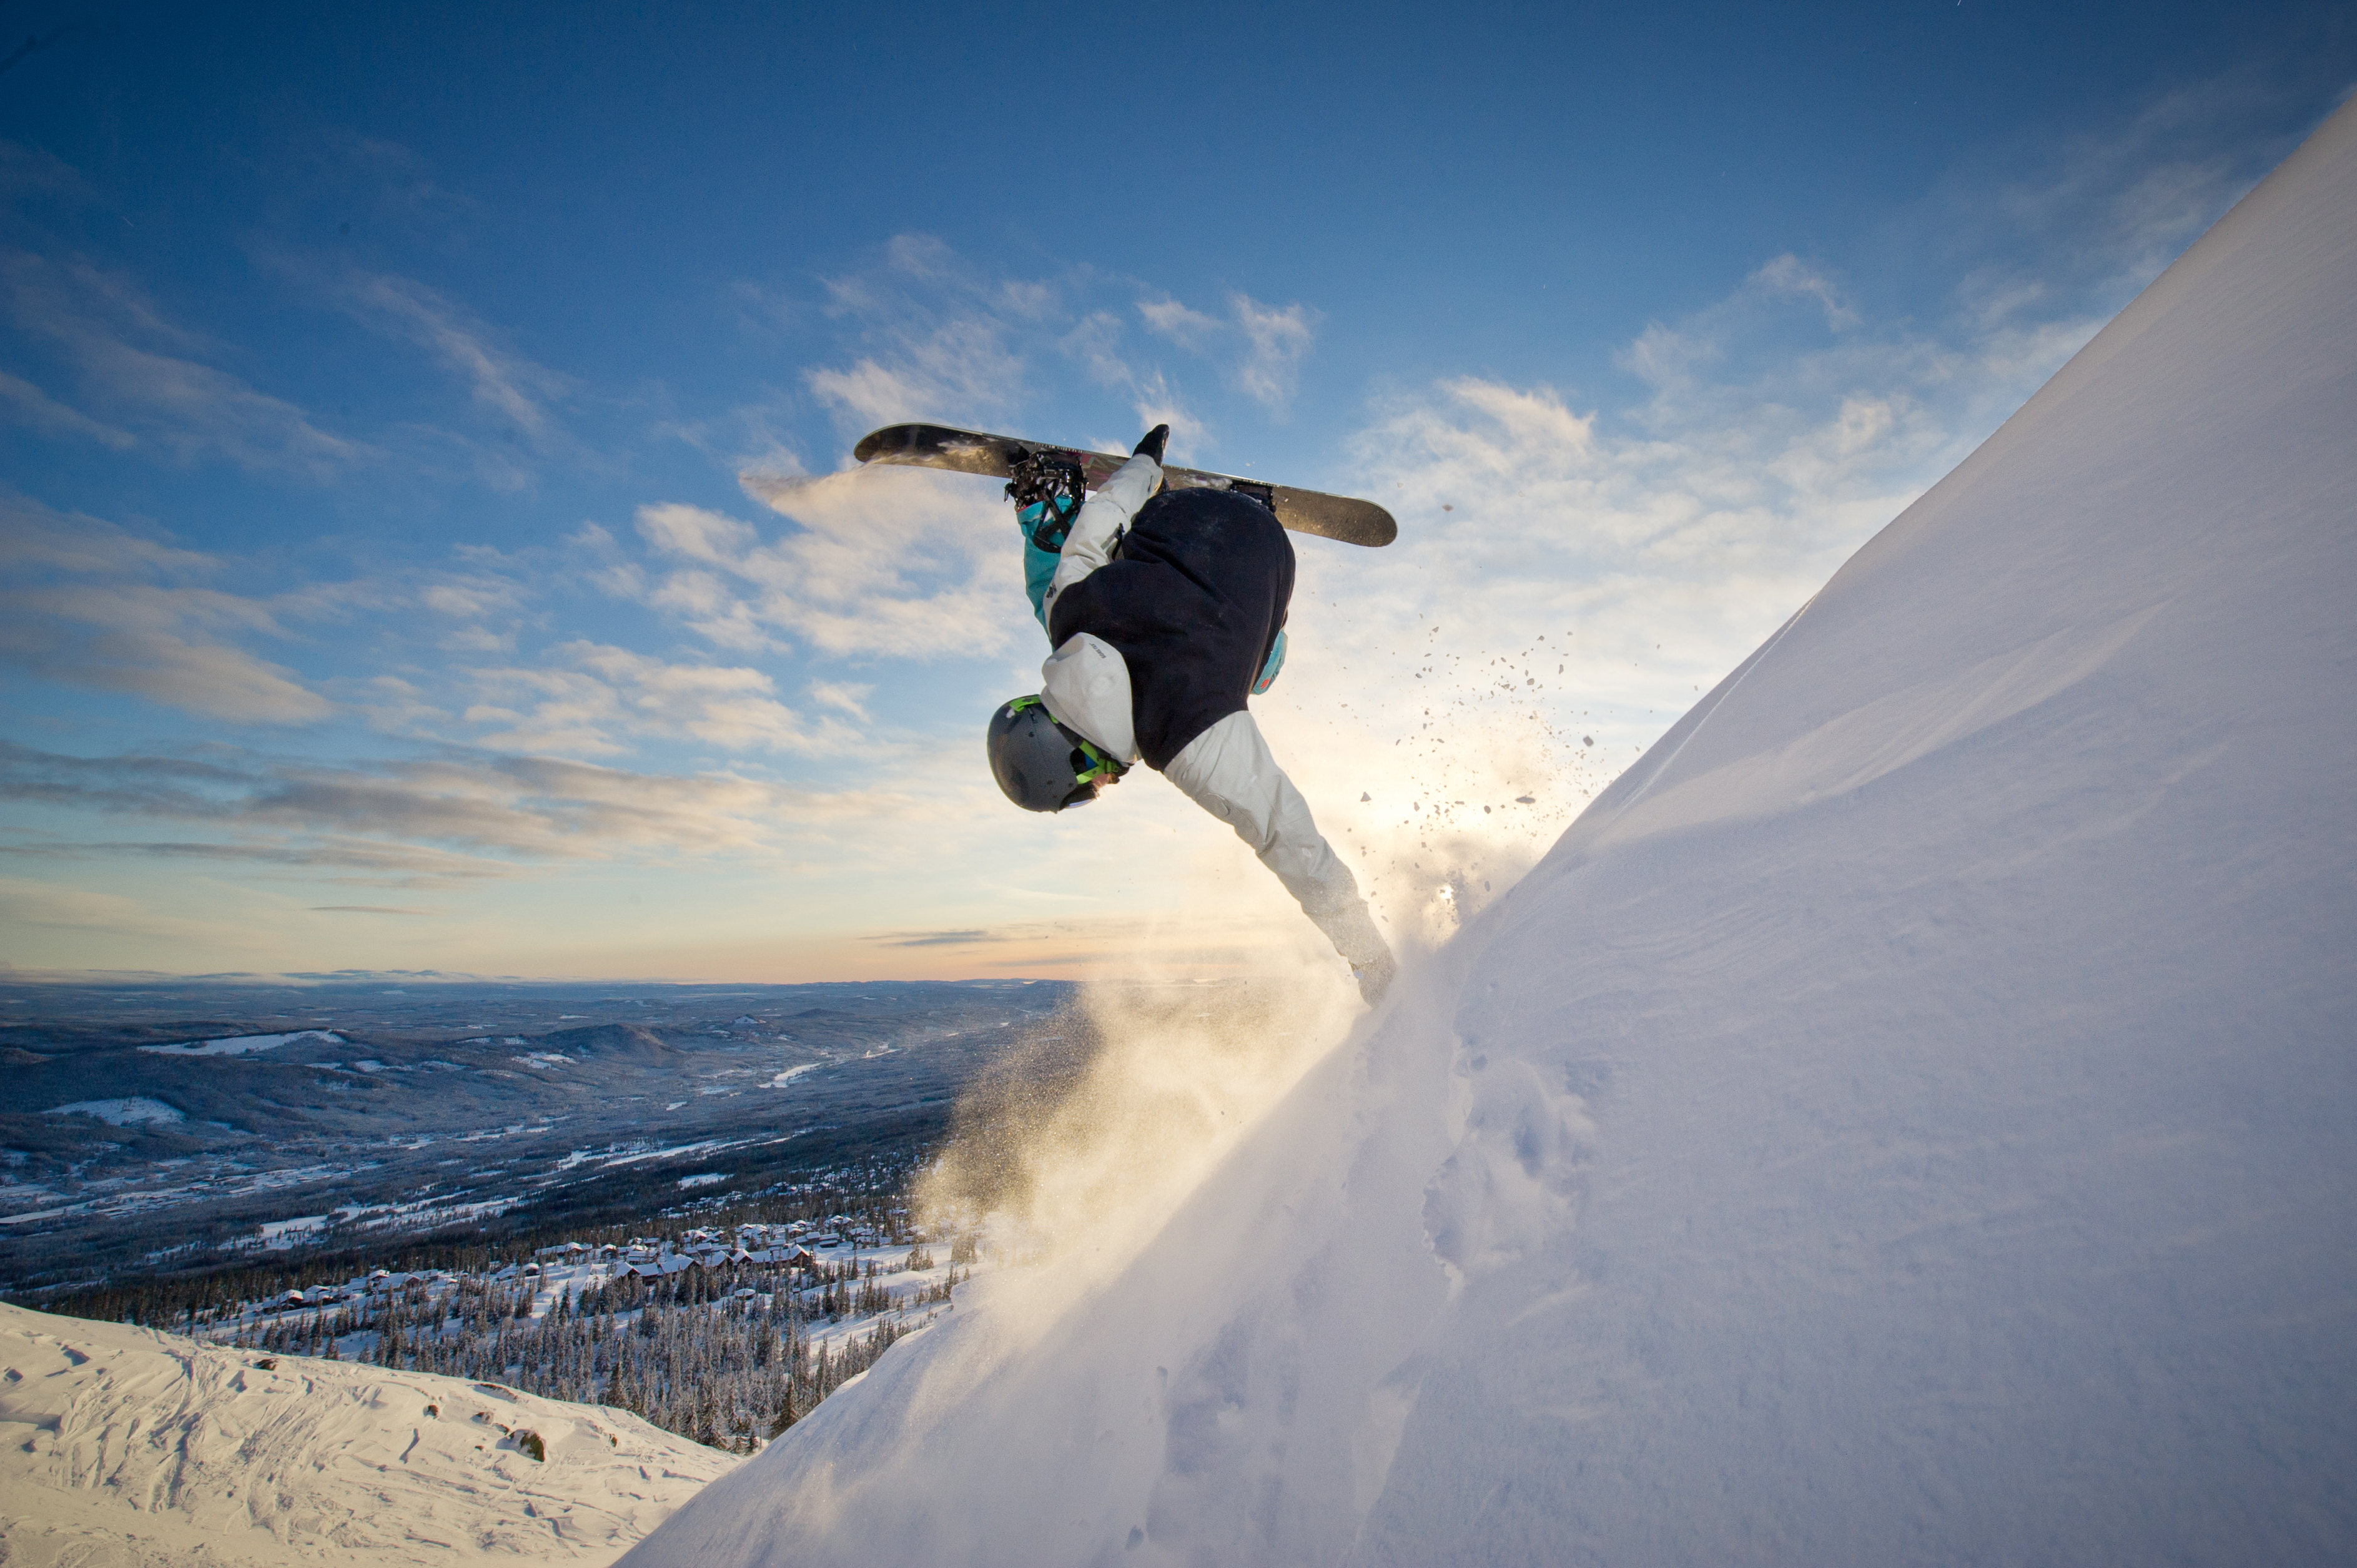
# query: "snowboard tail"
972, 452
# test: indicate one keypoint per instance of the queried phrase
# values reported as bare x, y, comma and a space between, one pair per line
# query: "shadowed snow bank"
1904, 1119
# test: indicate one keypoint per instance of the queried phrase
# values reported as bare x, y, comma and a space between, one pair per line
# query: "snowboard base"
974, 452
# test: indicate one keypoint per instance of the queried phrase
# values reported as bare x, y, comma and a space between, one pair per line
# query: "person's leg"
1038, 568
1047, 496
1230, 771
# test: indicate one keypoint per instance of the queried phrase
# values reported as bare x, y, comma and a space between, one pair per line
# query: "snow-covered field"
122, 1447
121, 1112
1906, 1119
238, 1045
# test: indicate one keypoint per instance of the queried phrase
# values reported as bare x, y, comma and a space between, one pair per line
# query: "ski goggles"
1090, 765
1102, 769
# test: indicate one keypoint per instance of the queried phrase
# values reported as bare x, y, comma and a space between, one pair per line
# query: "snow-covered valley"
141, 1129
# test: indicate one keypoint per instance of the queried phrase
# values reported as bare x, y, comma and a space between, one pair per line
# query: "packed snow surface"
1907, 1117
124, 1448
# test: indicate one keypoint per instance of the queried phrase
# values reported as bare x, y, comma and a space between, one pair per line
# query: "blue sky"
423, 542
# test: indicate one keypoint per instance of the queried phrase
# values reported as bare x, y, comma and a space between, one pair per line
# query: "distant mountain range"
165, 1125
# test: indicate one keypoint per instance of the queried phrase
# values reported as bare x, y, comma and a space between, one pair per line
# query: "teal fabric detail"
1268, 670
1038, 571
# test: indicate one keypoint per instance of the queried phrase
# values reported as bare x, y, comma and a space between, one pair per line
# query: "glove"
1267, 677
1151, 447
1375, 977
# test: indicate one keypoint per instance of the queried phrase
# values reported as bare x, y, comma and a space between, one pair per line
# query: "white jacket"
1228, 769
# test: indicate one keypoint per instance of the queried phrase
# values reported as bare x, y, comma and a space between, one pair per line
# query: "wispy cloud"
401, 191
1716, 355
845, 697
164, 667
481, 612
1266, 343
878, 564
367, 859
1277, 340
2083, 221
947, 341
531, 809
597, 700
934, 938
1787, 274
937, 332
90, 604
461, 818
1186, 327
93, 605
150, 377
2119, 202
757, 435
1742, 477
29, 171
958, 372
1154, 398
29, 405
507, 385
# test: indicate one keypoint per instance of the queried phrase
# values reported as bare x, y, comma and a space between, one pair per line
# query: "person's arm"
1103, 517
1230, 772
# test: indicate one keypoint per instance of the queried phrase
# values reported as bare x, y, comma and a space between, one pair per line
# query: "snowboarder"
1167, 610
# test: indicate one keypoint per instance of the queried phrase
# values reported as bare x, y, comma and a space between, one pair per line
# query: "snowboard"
972, 452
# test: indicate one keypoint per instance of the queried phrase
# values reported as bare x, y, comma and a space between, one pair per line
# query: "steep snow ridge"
1854, 748
120, 1446
1905, 1119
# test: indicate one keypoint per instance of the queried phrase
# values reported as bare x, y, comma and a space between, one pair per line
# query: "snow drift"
125, 1448
1907, 1118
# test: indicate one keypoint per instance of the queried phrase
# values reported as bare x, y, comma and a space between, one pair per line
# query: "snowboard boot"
1047, 493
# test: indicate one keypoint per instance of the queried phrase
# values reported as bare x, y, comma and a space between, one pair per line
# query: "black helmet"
1043, 765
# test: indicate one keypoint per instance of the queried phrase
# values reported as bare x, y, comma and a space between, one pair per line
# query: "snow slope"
1907, 1119
120, 1446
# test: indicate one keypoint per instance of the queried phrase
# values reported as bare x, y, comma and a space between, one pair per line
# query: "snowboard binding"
1047, 491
